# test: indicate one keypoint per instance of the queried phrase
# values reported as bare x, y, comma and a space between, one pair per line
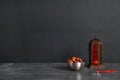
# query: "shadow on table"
62, 68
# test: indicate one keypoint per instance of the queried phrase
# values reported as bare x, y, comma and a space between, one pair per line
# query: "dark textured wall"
54, 30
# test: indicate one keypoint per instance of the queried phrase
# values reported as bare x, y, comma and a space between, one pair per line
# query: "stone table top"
52, 71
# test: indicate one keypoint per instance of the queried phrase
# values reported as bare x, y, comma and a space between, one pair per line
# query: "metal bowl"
76, 66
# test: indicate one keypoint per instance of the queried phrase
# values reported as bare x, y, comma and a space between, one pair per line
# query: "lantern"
96, 53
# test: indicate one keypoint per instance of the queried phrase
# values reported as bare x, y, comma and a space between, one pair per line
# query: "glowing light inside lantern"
96, 62
95, 54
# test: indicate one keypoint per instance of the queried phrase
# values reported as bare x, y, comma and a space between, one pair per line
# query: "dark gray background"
55, 30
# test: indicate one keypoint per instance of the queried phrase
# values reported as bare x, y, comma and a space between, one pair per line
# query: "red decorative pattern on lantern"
95, 57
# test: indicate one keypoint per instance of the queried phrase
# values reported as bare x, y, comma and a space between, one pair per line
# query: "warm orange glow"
96, 62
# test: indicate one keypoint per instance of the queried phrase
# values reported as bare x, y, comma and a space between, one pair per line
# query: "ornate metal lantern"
96, 53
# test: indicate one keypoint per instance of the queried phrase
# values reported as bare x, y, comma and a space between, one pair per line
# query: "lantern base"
97, 66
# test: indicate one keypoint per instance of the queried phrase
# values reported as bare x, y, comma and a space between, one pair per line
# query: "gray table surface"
52, 71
